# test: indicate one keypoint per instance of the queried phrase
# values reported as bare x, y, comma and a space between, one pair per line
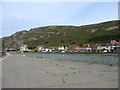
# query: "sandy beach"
30, 72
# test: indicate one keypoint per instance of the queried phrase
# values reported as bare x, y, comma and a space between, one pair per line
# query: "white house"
40, 48
62, 48
43, 48
89, 49
24, 48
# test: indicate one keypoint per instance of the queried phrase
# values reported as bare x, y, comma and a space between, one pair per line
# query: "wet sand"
30, 72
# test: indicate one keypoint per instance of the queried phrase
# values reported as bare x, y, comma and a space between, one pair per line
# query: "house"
100, 48
94, 48
113, 47
24, 48
85, 48
62, 48
43, 48
73, 48
52, 48
107, 48
113, 42
104, 48
77, 48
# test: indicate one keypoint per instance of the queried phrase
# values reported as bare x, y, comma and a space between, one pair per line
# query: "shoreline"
68, 53
64, 57
87, 62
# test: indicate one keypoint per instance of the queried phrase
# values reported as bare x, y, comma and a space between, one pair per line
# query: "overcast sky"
19, 16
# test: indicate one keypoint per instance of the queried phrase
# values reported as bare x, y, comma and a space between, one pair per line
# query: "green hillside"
64, 35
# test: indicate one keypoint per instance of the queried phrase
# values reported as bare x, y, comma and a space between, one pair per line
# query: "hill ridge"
64, 35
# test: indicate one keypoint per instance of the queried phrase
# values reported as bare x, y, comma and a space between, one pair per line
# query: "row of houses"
84, 48
113, 47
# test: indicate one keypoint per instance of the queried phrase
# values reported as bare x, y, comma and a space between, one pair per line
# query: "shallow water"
91, 58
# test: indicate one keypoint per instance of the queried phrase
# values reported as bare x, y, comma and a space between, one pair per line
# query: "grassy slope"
74, 35
67, 35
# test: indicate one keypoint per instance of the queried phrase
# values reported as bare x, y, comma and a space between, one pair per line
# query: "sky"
18, 16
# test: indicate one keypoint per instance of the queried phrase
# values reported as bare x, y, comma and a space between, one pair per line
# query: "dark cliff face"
63, 35
15, 40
